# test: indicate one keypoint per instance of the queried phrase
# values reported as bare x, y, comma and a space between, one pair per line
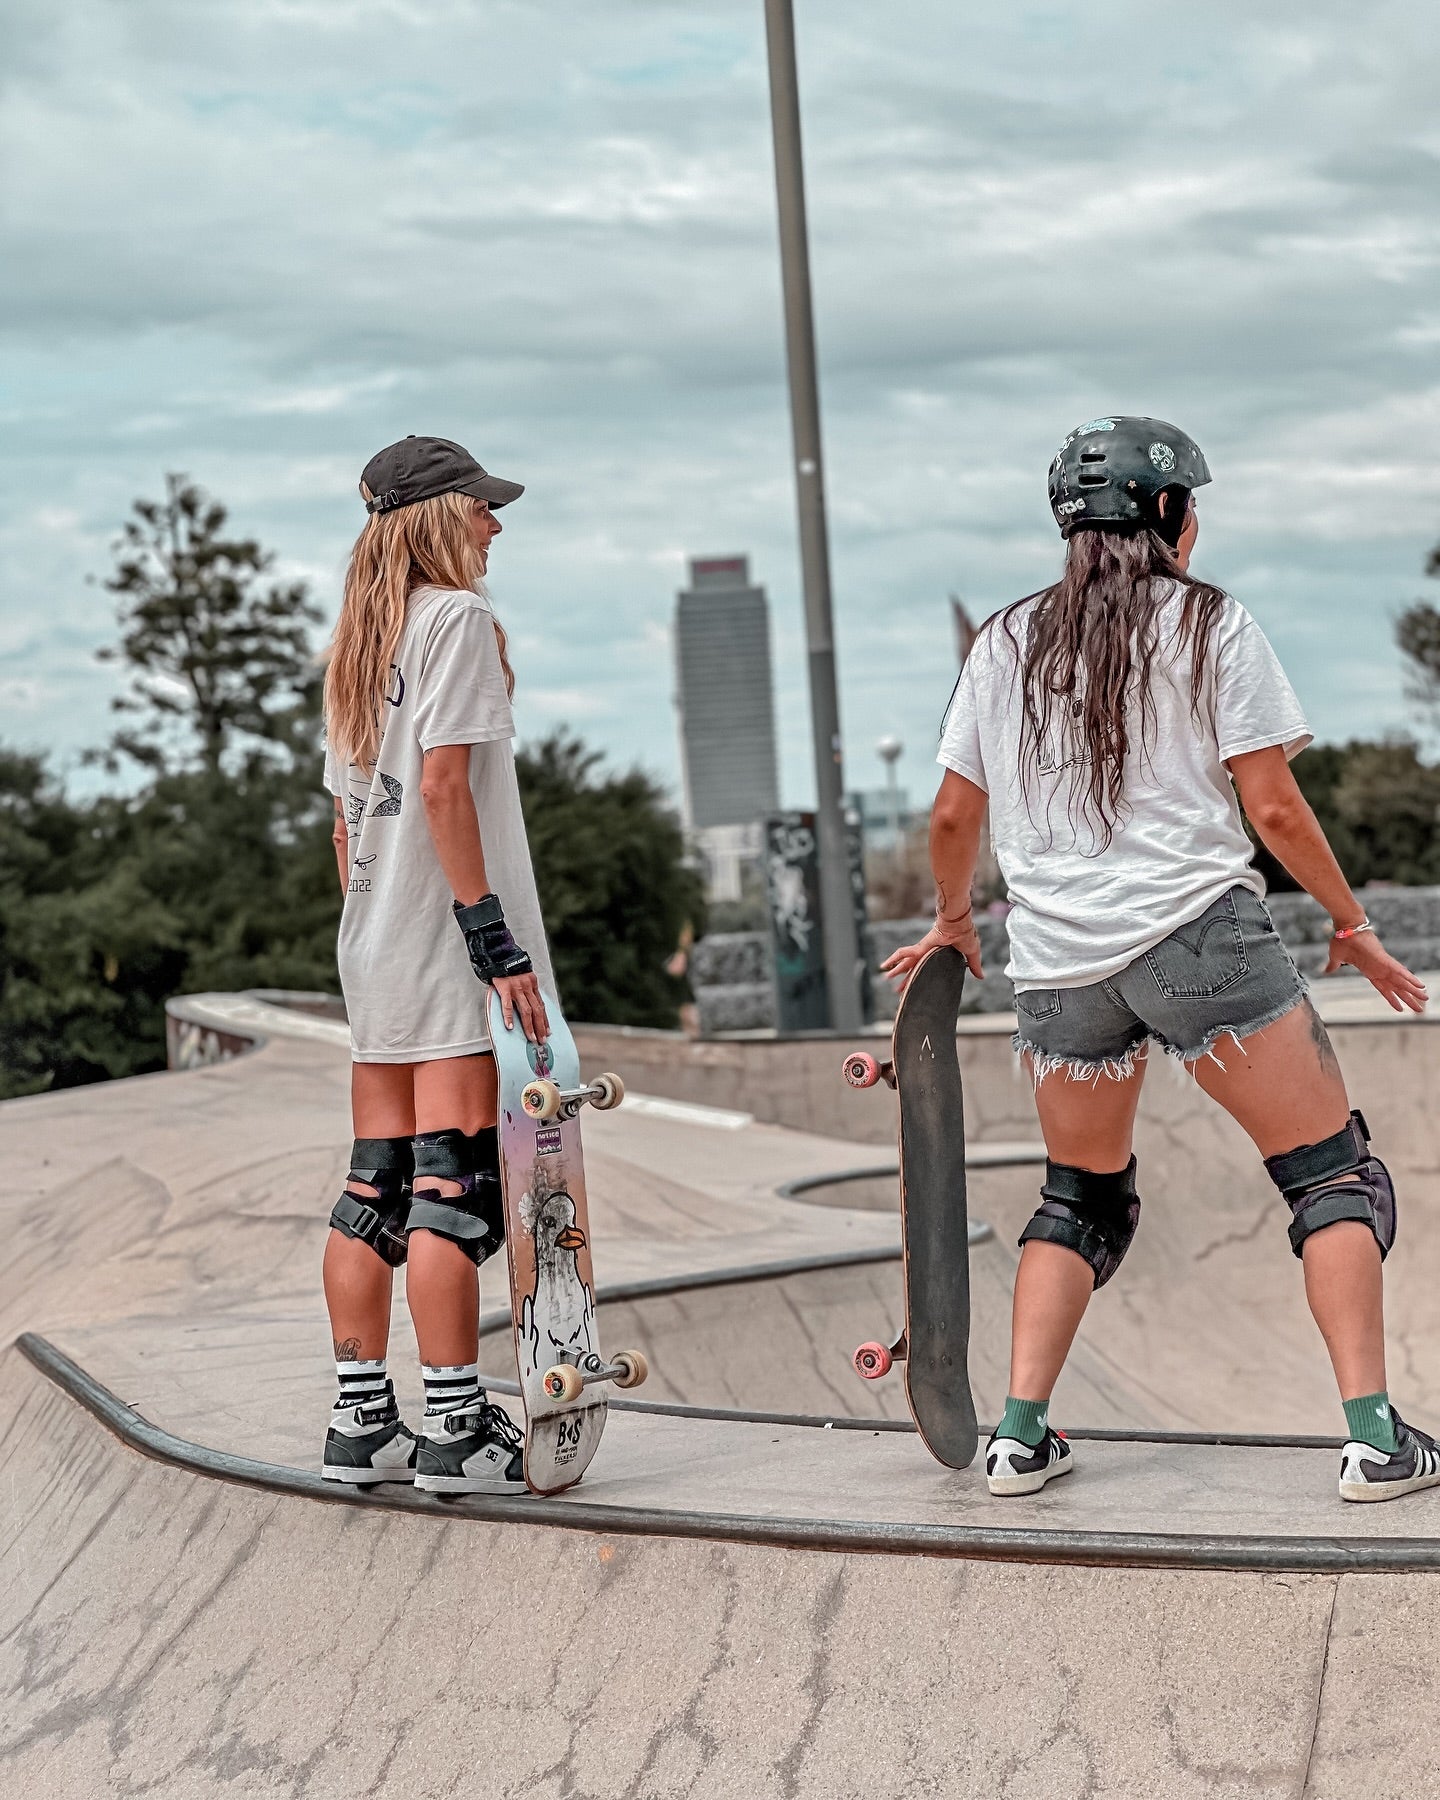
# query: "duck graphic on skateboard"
563, 1375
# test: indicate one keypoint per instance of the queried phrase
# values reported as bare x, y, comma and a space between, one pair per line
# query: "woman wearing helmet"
1110, 722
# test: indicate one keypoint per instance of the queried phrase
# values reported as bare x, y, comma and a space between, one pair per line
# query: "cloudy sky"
254, 240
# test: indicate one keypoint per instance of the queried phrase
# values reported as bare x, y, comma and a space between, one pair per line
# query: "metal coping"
1325, 1555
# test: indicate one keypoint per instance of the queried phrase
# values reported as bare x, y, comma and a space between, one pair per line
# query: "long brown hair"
424, 545
1089, 654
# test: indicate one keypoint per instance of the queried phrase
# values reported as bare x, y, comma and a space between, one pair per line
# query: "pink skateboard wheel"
861, 1069
872, 1361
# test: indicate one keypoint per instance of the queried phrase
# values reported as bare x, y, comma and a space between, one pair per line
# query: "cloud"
256, 241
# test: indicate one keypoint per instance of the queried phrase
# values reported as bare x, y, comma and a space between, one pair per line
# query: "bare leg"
441, 1283
1284, 1087
357, 1283
1089, 1125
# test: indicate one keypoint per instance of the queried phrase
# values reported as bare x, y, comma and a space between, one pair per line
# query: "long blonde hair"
424, 545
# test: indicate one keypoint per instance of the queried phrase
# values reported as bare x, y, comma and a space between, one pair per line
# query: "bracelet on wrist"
1351, 931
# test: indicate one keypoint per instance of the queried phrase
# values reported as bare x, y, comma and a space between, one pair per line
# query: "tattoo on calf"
347, 1349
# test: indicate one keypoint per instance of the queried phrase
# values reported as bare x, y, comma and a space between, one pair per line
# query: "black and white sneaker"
1370, 1474
1013, 1467
369, 1443
474, 1449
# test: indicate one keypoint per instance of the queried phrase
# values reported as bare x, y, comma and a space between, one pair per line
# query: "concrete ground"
739, 1606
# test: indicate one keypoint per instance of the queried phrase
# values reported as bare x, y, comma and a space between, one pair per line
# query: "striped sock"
361, 1383
1025, 1420
447, 1388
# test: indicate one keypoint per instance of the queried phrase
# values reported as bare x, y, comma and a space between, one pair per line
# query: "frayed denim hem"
1044, 1063
1236, 1033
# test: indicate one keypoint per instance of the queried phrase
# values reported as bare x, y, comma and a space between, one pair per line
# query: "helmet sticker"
1066, 507
1094, 425
1163, 458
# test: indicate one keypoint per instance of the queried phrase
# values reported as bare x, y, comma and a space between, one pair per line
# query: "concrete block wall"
732, 971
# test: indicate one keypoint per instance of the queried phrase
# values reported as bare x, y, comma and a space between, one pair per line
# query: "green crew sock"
1370, 1421
1025, 1420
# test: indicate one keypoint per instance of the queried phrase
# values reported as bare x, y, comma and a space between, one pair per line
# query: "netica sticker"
547, 1140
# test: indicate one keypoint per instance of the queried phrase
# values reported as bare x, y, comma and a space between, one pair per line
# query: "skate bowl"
764, 1586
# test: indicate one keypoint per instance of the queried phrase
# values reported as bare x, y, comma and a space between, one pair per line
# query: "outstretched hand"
901, 964
1366, 953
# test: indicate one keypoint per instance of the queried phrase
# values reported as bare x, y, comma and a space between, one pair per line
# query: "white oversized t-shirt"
1082, 909
410, 992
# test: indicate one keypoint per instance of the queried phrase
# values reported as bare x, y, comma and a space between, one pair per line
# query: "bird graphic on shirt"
557, 1320
395, 793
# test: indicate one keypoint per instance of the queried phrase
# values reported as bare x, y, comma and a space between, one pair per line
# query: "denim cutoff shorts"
1224, 974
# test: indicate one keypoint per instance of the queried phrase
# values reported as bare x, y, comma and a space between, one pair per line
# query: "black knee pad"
1333, 1180
475, 1217
1093, 1215
384, 1164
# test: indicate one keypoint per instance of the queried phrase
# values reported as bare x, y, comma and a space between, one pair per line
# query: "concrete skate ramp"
177, 1627
729, 1604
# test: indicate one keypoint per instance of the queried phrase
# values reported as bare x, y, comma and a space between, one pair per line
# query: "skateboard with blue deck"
563, 1375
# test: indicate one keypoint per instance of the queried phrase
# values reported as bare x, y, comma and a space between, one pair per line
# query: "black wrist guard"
487, 937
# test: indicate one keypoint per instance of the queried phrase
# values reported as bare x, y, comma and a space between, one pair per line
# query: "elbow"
438, 793
1275, 818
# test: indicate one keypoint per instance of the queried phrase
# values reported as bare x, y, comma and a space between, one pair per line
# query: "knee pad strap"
377, 1221
1094, 1215
474, 1219
1336, 1179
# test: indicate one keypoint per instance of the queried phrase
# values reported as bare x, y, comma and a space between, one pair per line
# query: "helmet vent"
1093, 478
1092, 456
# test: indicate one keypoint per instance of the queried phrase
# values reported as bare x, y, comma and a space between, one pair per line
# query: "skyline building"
724, 692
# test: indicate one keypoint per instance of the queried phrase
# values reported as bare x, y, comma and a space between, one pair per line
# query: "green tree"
614, 885
216, 654
218, 872
87, 950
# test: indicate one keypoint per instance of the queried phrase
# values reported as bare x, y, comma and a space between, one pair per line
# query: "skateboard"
934, 1344
547, 1248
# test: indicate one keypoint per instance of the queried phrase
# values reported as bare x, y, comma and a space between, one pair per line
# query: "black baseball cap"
420, 468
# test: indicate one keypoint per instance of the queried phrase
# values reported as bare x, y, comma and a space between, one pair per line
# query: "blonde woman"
434, 864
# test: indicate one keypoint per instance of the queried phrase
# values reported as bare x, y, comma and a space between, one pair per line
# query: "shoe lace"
486, 1417
500, 1425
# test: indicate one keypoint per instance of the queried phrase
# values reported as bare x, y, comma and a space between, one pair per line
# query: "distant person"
1104, 720
433, 859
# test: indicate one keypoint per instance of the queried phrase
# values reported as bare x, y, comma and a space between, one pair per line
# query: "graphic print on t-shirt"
394, 794
1064, 745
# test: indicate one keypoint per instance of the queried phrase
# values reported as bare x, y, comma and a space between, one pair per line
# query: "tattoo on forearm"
347, 1349
1320, 1038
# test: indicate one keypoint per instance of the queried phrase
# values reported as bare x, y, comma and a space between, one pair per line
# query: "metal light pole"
842, 945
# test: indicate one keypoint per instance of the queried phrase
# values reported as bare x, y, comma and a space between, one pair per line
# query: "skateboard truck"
862, 1070
874, 1360
567, 1381
542, 1099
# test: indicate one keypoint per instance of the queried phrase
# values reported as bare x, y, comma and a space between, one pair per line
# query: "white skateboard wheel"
541, 1099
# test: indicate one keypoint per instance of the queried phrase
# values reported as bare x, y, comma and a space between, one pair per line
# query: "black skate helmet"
1113, 471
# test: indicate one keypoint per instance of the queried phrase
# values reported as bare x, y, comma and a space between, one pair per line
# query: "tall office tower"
726, 702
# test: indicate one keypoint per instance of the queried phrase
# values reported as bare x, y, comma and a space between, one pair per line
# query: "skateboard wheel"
541, 1099
562, 1383
861, 1069
872, 1361
633, 1366
612, 1092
